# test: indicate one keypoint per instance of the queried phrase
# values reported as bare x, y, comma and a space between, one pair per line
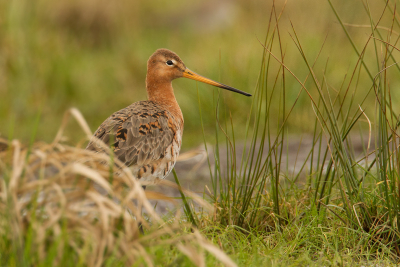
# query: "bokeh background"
92, 54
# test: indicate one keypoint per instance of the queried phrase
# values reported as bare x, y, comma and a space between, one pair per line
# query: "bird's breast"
159, 169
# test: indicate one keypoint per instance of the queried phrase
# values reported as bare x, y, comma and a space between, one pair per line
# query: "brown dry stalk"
52, 189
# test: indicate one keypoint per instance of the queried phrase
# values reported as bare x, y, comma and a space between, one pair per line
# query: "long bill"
194, 76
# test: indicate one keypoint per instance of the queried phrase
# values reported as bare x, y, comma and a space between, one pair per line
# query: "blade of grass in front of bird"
204, 135
187, 208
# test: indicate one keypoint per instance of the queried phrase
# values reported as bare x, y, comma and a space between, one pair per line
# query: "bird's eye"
170, 63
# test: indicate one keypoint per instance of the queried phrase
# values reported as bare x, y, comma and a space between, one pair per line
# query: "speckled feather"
145, 136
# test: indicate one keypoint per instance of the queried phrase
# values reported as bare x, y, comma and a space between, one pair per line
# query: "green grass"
314, 76
349, 205
303, 242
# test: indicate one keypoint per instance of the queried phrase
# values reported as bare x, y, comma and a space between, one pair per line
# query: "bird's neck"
162, 93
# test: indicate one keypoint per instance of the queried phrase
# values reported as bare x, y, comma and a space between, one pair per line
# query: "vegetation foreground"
61, 205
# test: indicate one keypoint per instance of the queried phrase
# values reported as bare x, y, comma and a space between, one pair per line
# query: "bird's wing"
139, 134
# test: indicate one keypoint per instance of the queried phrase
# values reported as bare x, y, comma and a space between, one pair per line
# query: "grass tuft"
59, 206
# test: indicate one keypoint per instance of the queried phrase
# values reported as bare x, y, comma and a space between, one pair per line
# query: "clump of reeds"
61, 204
361, 190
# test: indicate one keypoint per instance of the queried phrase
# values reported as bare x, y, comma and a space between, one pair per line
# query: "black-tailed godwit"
147, 135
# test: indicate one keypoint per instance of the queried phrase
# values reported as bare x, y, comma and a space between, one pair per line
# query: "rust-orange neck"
161, 92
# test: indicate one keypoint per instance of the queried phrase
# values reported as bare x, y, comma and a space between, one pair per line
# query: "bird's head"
165, 66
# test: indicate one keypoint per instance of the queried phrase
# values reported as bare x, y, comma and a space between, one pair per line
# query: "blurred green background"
92, 54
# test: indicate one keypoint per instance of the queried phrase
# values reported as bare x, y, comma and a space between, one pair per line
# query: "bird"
147, 135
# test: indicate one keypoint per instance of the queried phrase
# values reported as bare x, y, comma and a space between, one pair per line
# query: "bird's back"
144, 136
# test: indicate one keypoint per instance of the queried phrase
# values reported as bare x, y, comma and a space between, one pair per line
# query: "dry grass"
53, 191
